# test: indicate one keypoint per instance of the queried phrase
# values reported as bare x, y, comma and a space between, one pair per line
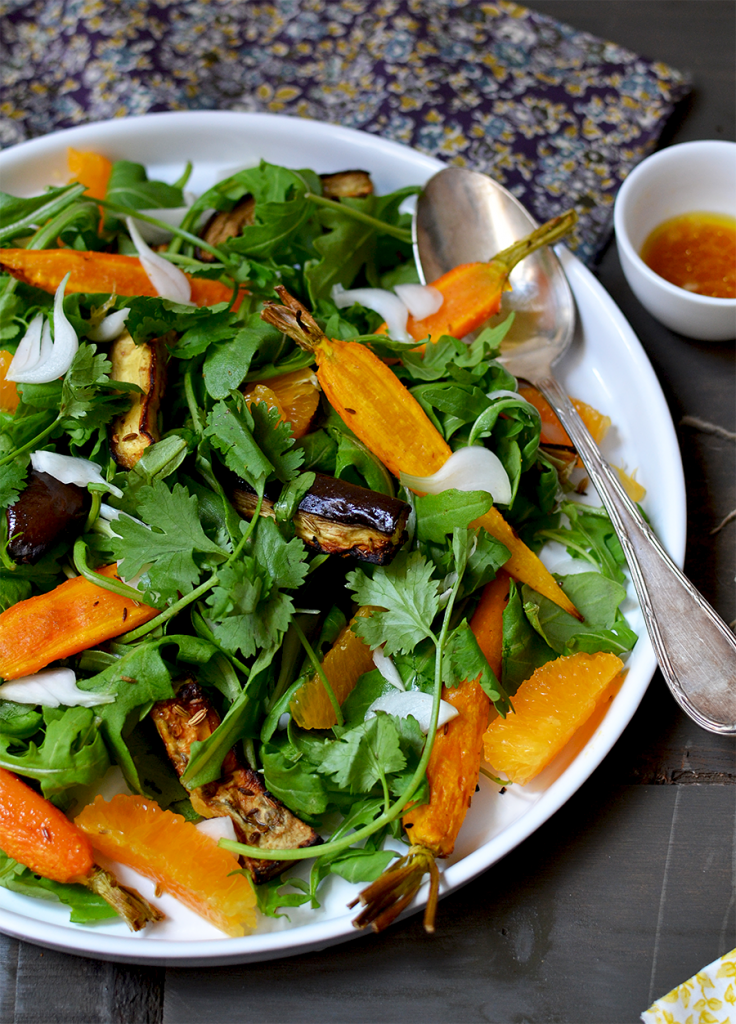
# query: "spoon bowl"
464, 217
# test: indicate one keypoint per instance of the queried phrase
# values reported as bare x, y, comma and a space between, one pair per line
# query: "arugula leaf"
228, 359
294, 783
86, 907
19, 216
172, 546
272, 896
440, 514
597, 598
524, 650
407, 597
129, 186
71, 752
230, 429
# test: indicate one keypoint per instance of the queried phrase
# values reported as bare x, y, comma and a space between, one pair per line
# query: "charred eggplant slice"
340, 518
144, 365
46, 511
230, 223
259, 818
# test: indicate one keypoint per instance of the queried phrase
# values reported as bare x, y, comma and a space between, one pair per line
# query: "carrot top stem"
136, 911
295, 320
385, 898
547, 234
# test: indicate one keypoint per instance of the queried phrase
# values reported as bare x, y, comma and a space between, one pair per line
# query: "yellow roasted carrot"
387, 418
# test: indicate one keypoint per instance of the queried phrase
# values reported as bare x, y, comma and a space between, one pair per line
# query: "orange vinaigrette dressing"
695, 251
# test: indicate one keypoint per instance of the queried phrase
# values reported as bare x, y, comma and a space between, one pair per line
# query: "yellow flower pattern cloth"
708, 998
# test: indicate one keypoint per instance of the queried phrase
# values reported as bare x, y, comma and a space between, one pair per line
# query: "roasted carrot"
98, 272
387, 418
9, 396
74, 616
37, 834
452, 774
472, 292
91, 169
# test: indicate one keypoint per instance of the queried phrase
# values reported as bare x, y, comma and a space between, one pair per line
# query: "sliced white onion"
217, 829
504, 393
111, 327
70, 470
168, 280
284, 721
54, 357
388, 670
29, 348
386, 304
414, 703
468, 469
52, 687
422, 300
172, 215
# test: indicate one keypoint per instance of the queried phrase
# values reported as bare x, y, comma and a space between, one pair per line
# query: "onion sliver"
422, 300
52, 688
468, 469
414, 703
168, 280
29, 348
54, 357
218, 828
111, 327
386, 304
70, 470
388, 670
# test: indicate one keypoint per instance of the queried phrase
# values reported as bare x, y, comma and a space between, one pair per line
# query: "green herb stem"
320, 672
79, 556
185, 236
403, 234
29, 444
169, 612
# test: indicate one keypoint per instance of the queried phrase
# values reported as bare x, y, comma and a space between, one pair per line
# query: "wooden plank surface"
629, 889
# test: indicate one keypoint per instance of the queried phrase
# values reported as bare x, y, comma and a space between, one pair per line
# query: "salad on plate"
270, 576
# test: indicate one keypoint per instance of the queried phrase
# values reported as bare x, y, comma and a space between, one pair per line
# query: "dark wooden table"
630, 888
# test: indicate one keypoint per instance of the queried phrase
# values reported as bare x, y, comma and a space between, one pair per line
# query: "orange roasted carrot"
381, 411
9, 396
98, 272
91, 169
454, 763
452, 774
37, 834
472, 292
74, 616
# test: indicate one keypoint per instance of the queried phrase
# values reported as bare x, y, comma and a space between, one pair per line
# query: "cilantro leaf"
364, 754
230, 430
172, 547
407, 597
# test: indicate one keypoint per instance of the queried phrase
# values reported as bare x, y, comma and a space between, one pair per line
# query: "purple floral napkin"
557, 116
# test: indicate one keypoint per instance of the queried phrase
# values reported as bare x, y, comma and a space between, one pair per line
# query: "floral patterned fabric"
708, 998
557, 116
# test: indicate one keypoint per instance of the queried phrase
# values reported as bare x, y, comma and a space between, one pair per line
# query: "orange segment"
548, 708
553, 431
91, 169
344, 664
295, 394
9, 396
166, 848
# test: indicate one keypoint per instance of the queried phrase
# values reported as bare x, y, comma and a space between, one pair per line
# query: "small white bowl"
687, 178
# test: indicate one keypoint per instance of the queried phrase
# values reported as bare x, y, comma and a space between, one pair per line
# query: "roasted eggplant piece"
46, 511
144, 365
230, 223
339, 518
259, 818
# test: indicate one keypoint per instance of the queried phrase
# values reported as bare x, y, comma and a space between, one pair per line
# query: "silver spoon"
462, 216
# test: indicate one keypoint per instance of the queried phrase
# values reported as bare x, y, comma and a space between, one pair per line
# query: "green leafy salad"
248, 605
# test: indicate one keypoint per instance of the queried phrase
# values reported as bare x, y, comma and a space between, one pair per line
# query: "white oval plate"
606, 367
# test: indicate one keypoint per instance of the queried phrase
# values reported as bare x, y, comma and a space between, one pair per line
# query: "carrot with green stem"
381, 411
452, 775
472, 291
37, 834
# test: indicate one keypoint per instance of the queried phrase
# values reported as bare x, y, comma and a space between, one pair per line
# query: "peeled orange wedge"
168, 849
295, 395
344, 664
555, 701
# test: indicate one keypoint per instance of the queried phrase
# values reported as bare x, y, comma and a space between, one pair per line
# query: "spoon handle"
695, 648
